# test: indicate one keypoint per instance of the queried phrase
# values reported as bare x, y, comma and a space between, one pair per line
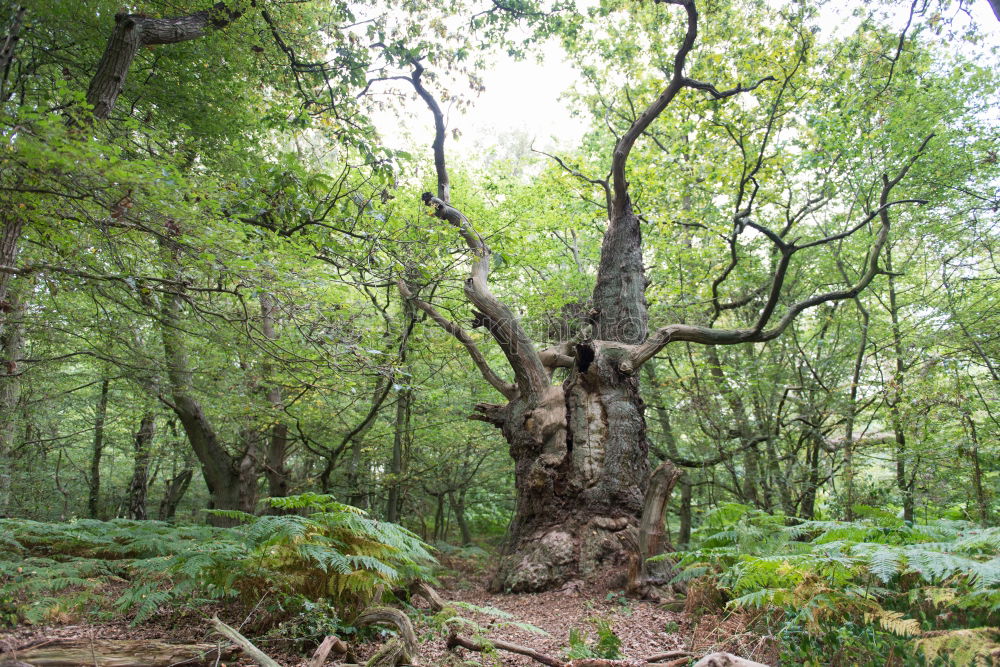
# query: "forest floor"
541, 621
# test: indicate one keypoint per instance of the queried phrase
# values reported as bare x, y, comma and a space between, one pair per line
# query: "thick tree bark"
134, 31
138, 487
9, 246
94, 483
12, 308
652, 538
278, 482
7, 47
580, 455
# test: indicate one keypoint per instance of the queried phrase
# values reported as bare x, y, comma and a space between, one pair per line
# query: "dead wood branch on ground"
682, 657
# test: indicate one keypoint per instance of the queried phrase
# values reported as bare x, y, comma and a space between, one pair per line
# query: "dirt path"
643, 628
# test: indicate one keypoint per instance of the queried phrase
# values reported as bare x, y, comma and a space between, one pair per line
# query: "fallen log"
117, 653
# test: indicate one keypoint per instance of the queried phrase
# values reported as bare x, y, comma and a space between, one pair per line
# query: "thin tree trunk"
382, 387
224, 475
173, 493
247, 470
904, 486
439, 517
749, 489
142, 451
977, 470
670, 442
852, 407
94, 490
812, 478
684, 531
275, 469
358, 494
400, 439
11, 347
458, 507
404, 399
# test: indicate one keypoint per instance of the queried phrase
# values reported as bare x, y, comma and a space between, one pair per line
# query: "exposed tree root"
396, 651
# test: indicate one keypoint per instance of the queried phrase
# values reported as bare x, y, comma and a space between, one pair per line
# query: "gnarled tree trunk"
580, 455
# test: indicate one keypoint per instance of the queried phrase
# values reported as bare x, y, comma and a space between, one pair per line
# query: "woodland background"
223, 246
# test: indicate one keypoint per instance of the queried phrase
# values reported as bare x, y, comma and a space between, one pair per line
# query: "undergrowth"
320, 552
607, 644
854, 591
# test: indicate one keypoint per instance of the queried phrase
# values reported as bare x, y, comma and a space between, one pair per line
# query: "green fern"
334, 553
879, 570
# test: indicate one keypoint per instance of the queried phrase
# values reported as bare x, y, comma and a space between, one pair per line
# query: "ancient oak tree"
580, 447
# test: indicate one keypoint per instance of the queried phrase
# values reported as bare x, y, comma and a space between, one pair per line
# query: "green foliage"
937, 584
306, 622
53, 571
335, 555
607, 644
